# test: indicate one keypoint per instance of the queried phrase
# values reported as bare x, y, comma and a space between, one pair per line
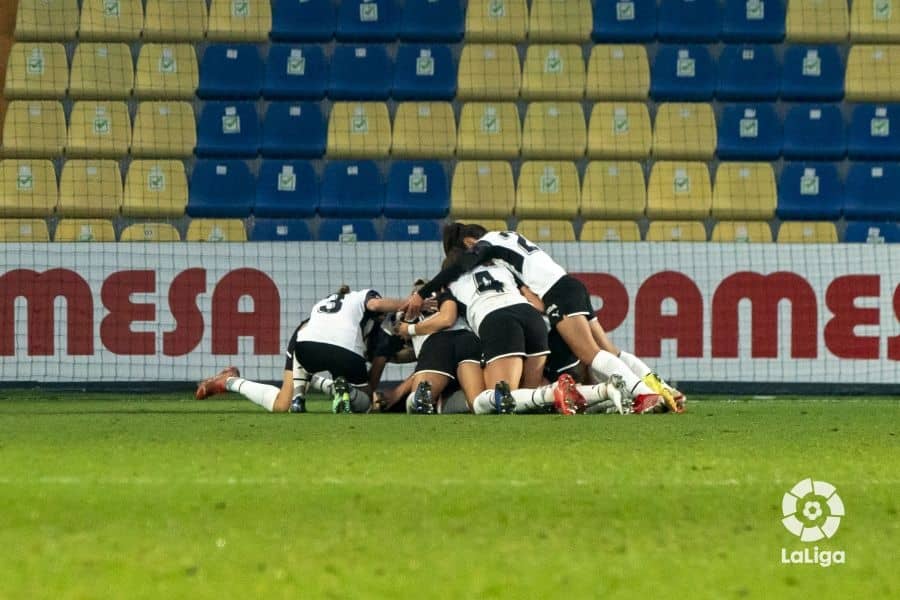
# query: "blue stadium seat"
367, 21
812, 73
221, 188
683, 73
230, 71
286, 188
748, 73
303, 20
280, 230
867, 232
351, 189
749, 132
295, 72
809, 191
360, 72
689, 21
753, 21
412, 230
815, 132
293, 129
417, 189
432, 21
424, 73
871, 191
228, 129
875, 132
624, 21
347, 230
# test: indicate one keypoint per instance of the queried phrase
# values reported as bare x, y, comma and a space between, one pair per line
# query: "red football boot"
215, 385
645, 404
567, 400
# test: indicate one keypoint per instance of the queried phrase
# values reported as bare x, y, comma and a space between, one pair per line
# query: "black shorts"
516, 330
316, 357
292, 343
567, 298
561, 359
443, 351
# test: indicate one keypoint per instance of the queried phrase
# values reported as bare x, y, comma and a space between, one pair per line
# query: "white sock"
484, 403
531, 400
593, 393
411, 403
606, 364
637, 366
257, 393
323, 384
301, 379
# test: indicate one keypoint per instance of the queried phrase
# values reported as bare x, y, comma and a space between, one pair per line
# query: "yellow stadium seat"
34, 128
150, 232
359, 130
546, 231
560, 21
807, 232
84, 230
744, 190
55, 20
167, 71
610, 231
741, 231
240, 20
482, 189
494, 224
548, 189
679, 190
489, 72
676, 231
175, 20
816, 21
496, 21
554, 130
489, 130
553, 73
618, 72
111, 20
27, 188
155, 188
24, 230
102, 72
164, 129
99, 129
613, 190
874, 21
216, 230
37, 70
90, 188
424, 130
685, 131
619, 130
873, 74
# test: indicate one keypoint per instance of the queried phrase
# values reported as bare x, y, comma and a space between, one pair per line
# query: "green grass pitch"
160, 496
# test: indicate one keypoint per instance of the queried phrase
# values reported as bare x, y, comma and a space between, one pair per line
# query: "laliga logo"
812, 511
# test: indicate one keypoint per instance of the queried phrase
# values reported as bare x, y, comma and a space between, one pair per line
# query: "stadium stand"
683, 73
741, 231
618, 73
176, 20
102, 71
24, 230
744, 190
554, 130
239, 20
676, 231
871, 192
84, 230
166, 71
613, 190
286, 189
216, 230
293, 129
874, 21
482, 189
424, 130
309, 21
689, 21
34, 128
684, 130
111, 20
155, 189
280, 230
228, 129
610, 231
417, 190
90, 188
812, 73
817, 21
150, 232
347, 230
809, 191
759, 21
807, 232
679, 190
351, 189
408, 230
553, 72
548, 190
489, 72
748, 73
541, 231
99, 129
230, 71
872, 74
37, 70
221, 188
554, 21
626, 21
496, 21
360, 72
814, 132
489, 130
164, 129
367, 20
28, 188
424, 72
432, 20
47, 20
359, 130
866, 232
750, 132
620, 130
295, 72
874, 132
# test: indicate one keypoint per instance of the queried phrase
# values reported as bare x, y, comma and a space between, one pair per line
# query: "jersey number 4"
485, 283
332, 305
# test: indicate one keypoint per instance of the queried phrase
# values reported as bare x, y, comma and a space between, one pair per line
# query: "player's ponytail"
472, 230
452, 256
343, 290
451, 236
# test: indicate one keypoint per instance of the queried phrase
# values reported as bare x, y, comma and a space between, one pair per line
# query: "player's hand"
413, 306
402, 329
430, 304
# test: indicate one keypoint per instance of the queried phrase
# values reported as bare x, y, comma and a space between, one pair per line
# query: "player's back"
341, 320
484, 289
532, 265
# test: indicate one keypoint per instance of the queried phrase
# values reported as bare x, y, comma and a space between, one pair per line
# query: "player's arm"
466, 261
377, 304
532, 298
444, 318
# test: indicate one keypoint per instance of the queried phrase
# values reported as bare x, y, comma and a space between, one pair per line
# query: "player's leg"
471, 380
427, 386
498, 374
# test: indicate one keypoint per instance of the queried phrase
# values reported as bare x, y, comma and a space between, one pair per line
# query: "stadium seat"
873, 73
167, 71
817, 21
684, 130
618, 73
489, 130
742, 231
417, 189
84, 230
230, 71
359, 130
555, 21
150, 232
412, 230
874, 21
496, 21
807, 232
101, 72
431, 21
553, 73
34, 128
814, 132
221, 188
676, 231
424, 73
748, 73
360, 72
176, 20
280, 230
495, 224
90, 188
689, 21
871, 192
23, 231
613, 190
46, 20
216, 230
548, 190
155, 188
286, 189
228, 129
424, 130
482, 189
351, 189
750, 132
295, 72
164, 130
619, 130
744, 190
111, 20
347, 230
809, 191
610, 231
866, 232
367, 21
624, 21
489, 72
293, 129
307, 21
99, 130
759, 21
541, 231
36, 70
875, 132
683, 73
239, 20
679, 190
28, 188
812, 73
554, 130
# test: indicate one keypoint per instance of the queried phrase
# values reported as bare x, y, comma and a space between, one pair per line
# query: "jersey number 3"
485, 283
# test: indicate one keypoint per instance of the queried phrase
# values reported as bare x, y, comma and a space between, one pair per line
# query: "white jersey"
530, 264
341, 321
483, 290
419, 340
